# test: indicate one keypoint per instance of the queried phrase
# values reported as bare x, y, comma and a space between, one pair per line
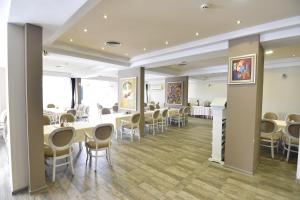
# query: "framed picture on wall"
127, 93
174, 93
242, 69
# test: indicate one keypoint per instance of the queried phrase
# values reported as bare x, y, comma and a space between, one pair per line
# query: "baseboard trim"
20, 190
38, 190
234, 169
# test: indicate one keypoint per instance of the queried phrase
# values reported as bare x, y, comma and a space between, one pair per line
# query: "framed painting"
242, 69
175, 93
127, 93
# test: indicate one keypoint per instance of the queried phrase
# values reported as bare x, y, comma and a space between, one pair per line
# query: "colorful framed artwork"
127, 93
242, 69
175, 93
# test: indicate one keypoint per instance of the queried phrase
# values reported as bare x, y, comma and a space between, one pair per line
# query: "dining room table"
82, 127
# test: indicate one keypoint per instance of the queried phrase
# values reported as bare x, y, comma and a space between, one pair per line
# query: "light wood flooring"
169, 166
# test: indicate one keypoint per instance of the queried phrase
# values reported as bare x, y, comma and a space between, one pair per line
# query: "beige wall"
244, 111
34, 104
206, 90
157, 95
282, 95
185, 80
140, 74
278, 94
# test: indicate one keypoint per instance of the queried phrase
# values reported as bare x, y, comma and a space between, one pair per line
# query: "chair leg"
96, 158
109, 156
87, 155
54, 169
80, 146
153, 129
131, 135
288, 151
272, 149
71, 163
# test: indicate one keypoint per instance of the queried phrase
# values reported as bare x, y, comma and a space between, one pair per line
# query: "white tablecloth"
201, 111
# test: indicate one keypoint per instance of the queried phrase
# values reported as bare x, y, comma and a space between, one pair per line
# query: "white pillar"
218, 116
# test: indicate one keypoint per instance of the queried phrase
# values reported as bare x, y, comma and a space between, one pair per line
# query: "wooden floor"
169, 166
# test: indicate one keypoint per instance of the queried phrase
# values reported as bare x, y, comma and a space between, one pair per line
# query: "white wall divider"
218, 111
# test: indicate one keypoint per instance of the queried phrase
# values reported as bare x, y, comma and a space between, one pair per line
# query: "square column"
244, 107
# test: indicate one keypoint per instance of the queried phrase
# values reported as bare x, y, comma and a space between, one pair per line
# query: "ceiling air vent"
183, 63
112, 44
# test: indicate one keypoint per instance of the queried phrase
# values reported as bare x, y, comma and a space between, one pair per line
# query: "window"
57, 90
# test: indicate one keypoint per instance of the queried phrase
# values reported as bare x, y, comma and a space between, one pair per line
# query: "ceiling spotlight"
144, 49
268, 52
197, 34
105, 16
204, 6
103, 48
126, 54
71, 40
294, 55
166, 43
238, 22
85, 30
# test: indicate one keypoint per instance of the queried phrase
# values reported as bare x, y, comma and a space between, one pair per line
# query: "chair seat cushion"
92, 145
149, 121
128, 126
293, 140
49, 153
269, 136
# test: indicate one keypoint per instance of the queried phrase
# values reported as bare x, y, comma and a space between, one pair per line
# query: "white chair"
293, 118
186, 112
291, 138
133, 126
163, 120
270, 116
60, 148
269, 136
100, 141
46, 120
178, 117
67, 117
153, 121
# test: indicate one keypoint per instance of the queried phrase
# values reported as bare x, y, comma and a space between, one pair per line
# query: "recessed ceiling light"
126, 54
85, 30
166, 43
294, 55
103, 48
60, 66
204, 6
268, 52
105, 16
144, 49
197, 34
238, 22
71, 40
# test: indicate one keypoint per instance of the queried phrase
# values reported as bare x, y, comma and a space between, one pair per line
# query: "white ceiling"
142, 24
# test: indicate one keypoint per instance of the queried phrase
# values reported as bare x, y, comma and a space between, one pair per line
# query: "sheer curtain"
57, 90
